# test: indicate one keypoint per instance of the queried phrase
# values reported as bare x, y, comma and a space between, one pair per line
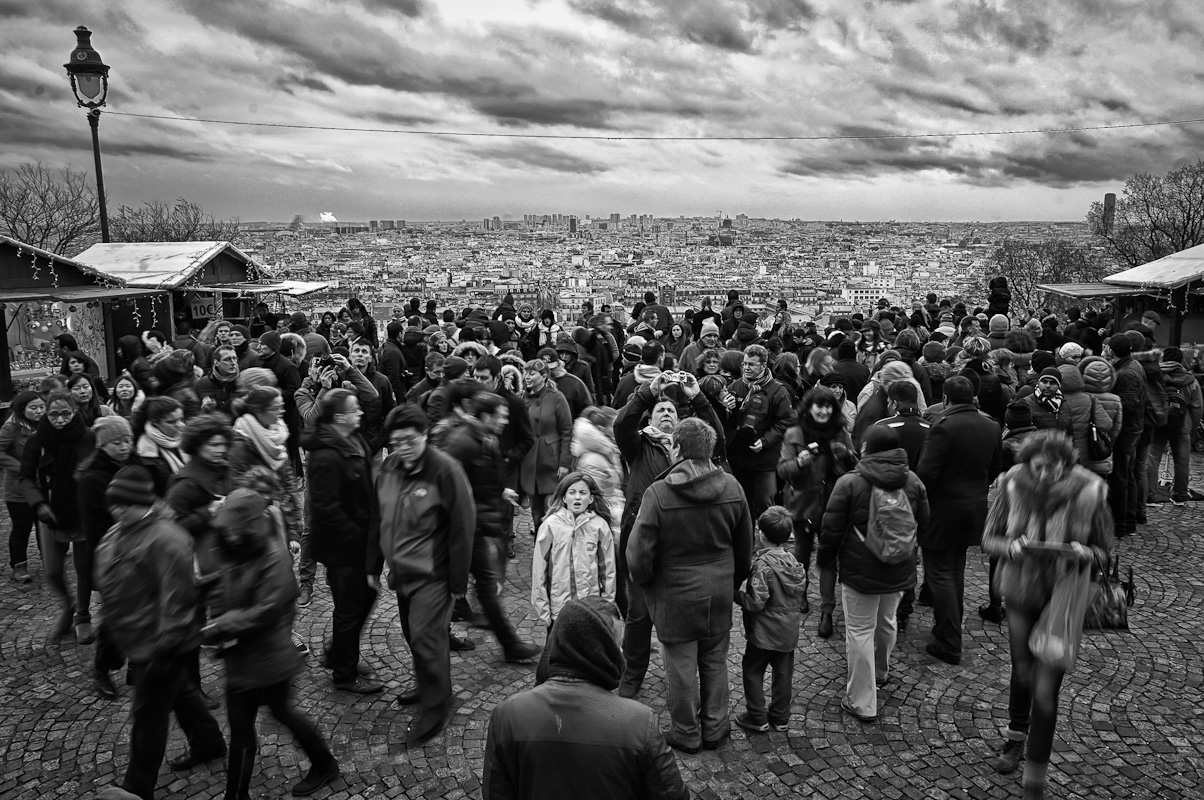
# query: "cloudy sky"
625, 73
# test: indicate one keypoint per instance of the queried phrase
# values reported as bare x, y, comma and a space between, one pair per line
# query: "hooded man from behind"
571, 735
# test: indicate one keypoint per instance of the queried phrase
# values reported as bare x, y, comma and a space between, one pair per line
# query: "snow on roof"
82, 267
159, 265
1168, 272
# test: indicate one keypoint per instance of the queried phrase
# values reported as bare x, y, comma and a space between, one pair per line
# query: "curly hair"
199, 430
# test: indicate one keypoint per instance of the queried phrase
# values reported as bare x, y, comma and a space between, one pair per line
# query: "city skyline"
618, 70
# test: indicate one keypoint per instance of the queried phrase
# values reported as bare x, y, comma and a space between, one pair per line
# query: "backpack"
890, 535
1176, 409
1157, 404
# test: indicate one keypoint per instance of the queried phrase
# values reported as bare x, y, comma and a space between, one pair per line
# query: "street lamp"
90, 83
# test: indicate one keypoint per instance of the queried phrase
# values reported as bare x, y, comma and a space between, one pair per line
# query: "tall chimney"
1109, 212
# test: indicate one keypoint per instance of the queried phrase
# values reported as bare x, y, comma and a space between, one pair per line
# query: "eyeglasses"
60, 414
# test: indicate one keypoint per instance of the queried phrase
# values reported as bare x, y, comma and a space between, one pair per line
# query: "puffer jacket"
847, 517
1076, 411
144, 573
13, 436
773, 600
1098, 379
427, 520
256, 594
573, 558
597, 456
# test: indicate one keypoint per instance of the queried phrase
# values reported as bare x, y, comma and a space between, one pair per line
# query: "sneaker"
1180, 499
848, 709
780, 727
746, 722
460, 643
315, 779
360, 685
306, 596
1011, 758
299, 644
991, 613
21, 574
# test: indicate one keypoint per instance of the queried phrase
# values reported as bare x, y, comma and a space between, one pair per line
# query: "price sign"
204, 307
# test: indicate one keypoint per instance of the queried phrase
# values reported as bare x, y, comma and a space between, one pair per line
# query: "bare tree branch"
1029, 264
56, 211
156, 221
1156, 216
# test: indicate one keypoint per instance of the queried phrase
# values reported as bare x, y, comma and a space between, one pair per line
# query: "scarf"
168, 448
224, 373
645, 373
59, 480
268, 442
1053, 402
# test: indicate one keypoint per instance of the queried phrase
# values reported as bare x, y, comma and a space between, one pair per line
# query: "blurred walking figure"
24, 414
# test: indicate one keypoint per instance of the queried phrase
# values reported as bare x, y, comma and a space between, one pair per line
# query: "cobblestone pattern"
1130, 725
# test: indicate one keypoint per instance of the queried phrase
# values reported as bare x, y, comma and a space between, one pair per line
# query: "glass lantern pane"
89, 85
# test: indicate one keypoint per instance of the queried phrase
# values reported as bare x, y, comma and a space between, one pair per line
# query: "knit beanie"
1017, 415
1052, 373
708, 326
454, 367
270, 340
846, 349
999, 324
1042, 359
1120, 344
584, 645
108, 429
131, 486
243, 329
746, 334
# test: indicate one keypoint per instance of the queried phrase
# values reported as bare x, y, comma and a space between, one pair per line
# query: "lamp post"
90, 83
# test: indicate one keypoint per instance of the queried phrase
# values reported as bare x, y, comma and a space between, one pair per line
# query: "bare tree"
156, 221
53, 210
1156, 216
1029, 264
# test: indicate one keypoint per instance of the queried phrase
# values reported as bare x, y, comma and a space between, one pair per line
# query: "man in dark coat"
960, 459
760, 415
571, 737
690, 549
856, 374
344, 518
1131, 388
392, 362
375, 410
515, 439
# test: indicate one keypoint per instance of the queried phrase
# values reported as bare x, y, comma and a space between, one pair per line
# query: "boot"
1013, 754
825, 624
319, 775
239, 768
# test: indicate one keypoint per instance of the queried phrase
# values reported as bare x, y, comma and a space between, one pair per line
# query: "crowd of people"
674, 469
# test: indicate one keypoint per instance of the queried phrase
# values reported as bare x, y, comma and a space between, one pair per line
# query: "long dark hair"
90, 410
818, 396
597, 503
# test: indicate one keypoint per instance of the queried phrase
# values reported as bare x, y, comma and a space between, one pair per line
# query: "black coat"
962, 456
342, 498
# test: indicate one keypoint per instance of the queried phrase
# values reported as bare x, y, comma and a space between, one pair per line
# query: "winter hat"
1137, 340
846, 349
108, 429
583, 643
170, 371
254, 376
454, 367
243, 329
1052, 372
1017, 415
1042, 359
1070, 351
708, 327
1120, 344
834, 379
270, 340
947, 329
934, 352
431, 329
244, 509
297, 321
888, 328
999, 324
746, 334
131, 486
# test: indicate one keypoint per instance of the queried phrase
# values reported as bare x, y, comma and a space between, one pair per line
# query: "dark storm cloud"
400, 120
408, 8
1015, 27
288, 83
526, 154
69, 14
729, 26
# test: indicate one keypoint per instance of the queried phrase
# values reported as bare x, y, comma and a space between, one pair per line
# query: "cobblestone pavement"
1131, 723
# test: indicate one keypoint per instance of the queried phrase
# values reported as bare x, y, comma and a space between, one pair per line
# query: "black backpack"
1176, 409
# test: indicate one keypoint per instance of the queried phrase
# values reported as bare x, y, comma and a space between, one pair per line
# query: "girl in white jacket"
574, 553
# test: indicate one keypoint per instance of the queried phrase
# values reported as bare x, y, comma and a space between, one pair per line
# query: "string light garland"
622, 138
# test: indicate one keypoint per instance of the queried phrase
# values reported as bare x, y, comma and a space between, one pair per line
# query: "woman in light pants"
871, 587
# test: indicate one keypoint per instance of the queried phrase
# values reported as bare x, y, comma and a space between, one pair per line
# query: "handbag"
1099, 443
1055, 638
1110, 606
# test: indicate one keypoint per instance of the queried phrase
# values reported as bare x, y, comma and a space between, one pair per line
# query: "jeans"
353, 599
1139, 488
759, 489
696, 673
945, 571
425, 609
22, 518
869, 636
1124, 454
486, 575
637, 639
1034, 688
1180, 446
54, 562
754, 665
163, 685
242, 708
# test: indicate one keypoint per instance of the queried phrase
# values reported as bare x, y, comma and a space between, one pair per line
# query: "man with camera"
760, 414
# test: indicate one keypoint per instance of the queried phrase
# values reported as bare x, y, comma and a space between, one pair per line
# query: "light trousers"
869, 635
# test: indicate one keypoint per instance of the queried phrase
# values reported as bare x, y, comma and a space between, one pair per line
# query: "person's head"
819, 408
709, 334
1049, 382
879, 439
329, 318
61, 408
752, 366
492, 411
75, 363
207, 437
708, 362
357, 309
775, 525
1049, 454
362, 355
737, 312
51, 383
902, 396
677, 331
578, 493
694, 439
340, 409
239, 335
29, 407
165, 414
1151, 320
67, 343
225, 360
81, 389
221, 332
183, 327
130, 495
265, 403
405, 434
114, 437
486, 371
552, 358
434, 366
1172, 354
535, 375
292, 347
959, 391
819, 362
155, 341
126, 389
344, 316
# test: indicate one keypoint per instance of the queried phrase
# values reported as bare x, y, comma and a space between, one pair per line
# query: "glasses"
60, 414
397, 443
